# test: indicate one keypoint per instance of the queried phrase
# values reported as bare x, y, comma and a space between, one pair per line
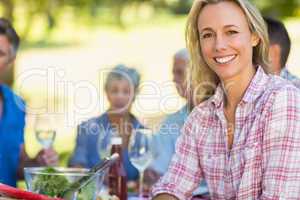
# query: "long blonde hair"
202, 80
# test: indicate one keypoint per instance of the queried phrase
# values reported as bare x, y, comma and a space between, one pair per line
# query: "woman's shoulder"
100, 119
93, 126
206, 105
277, 85
199, 120
201, 112
136, 122
279, 88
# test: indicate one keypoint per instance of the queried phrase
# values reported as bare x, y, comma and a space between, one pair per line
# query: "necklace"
230, 134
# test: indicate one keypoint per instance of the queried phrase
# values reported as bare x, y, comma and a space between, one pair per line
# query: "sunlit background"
68, 45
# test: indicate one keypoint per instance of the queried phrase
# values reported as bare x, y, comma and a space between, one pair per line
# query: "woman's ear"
254, 39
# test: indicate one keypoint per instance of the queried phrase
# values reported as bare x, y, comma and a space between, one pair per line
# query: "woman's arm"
79, 156
281, 147
46, 157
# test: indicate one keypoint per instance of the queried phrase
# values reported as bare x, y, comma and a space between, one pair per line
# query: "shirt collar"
257, 85
254, 90
284, 72
217, 98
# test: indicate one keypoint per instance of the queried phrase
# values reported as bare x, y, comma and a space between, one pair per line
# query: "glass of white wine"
45, 130
141, 152
104, 142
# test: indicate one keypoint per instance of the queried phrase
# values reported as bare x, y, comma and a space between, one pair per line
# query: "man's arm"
164, 146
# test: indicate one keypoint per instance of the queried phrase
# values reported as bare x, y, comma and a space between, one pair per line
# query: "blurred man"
13, 157
280, 45
169, 131
165, 139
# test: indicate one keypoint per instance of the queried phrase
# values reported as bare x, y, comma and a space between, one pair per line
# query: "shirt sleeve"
79, 156
22, 122
184, 173
281, 147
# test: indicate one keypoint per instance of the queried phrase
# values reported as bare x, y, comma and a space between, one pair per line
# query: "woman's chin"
226, 74
121, 110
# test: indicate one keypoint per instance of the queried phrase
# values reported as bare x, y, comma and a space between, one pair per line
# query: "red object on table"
9, 191
117, 176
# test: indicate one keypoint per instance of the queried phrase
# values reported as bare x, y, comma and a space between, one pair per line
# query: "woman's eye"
114, 91
232, 32
207, 35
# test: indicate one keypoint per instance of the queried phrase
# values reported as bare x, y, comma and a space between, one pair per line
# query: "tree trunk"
118, 13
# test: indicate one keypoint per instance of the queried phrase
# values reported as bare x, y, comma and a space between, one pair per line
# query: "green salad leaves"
53, 183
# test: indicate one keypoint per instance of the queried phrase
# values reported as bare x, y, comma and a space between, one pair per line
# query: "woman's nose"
220, 43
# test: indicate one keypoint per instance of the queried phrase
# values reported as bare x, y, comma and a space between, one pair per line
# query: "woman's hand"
47, 157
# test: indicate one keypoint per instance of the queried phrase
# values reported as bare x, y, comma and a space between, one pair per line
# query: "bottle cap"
116, 140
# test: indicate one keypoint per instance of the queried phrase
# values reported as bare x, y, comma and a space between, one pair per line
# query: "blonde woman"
243, 137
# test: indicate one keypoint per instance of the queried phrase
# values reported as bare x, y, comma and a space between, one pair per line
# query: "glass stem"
141, 182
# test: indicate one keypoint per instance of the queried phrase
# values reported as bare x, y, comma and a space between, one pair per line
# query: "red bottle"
117, 174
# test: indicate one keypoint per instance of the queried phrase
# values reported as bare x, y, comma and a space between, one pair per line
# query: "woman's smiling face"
226, 40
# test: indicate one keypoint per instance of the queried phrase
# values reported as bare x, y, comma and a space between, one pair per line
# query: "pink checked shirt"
264, 161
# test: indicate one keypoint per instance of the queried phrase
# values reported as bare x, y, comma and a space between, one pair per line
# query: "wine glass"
104, 142
45, 130
140, 153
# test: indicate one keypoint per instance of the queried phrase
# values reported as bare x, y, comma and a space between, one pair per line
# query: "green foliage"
182, 7
278, 8
51, 185
51, 12
87, 192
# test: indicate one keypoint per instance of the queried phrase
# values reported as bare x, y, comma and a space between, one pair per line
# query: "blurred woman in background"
121, 87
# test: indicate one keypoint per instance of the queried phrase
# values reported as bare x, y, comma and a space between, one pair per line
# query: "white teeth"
226, 59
